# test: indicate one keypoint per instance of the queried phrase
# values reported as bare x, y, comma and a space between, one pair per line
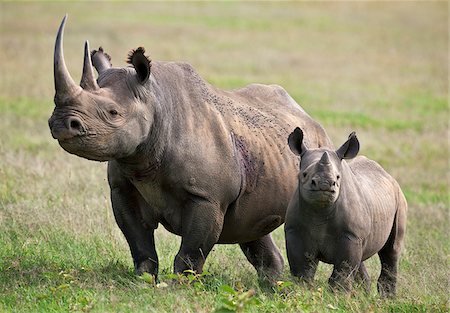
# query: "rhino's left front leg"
201, 227
127, 205
347, 262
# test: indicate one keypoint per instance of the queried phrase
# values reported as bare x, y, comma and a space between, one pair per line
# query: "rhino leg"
363, 277
347, 263
127, 204
264, 255
301, 254
388, 277
201, 228
389, 256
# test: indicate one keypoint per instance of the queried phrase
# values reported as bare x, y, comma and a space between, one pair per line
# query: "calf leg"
264, 255
389, 254
301, 254
343, 276
388, 276
347, 263
363, 277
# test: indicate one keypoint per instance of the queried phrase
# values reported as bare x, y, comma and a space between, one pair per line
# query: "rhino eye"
113, 112
304, 174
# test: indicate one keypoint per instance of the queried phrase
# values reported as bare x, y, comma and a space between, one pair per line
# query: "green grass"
380, 69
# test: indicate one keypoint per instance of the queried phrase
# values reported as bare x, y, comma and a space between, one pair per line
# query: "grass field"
380, 69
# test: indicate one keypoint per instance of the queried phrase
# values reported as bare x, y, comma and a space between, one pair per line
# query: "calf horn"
88, 81
64, 84
325, 159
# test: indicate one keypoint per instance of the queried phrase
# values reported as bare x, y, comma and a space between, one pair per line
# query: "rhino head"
321, 169
101, 119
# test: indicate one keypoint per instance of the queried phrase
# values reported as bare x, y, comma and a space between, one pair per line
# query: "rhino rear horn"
101, 60
88, 81
64, 84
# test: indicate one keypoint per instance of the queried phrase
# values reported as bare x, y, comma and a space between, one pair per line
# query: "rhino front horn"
325, 159
64, 84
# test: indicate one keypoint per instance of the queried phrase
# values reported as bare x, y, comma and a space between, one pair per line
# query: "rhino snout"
321, 184
66, 128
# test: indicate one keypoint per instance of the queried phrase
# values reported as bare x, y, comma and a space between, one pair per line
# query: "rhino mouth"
82, 146
320, 196
77, 138
327, 191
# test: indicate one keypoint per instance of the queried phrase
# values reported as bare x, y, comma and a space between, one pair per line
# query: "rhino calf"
342, 213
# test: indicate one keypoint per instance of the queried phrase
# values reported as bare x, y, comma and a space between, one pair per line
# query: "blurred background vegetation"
380, 69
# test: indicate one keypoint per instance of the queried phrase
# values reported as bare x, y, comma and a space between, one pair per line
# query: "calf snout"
323, 184
66, 128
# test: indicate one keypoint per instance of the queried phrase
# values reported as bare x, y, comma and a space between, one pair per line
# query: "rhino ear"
141, 64
350, 148
295, 141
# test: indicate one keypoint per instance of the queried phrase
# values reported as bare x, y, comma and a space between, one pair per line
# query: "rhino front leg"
264, 255
201, 228
301, 254
127, 204
347, 263
363, 277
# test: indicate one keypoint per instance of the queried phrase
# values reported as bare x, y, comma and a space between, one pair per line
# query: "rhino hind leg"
388, 277
390, 253
264, 255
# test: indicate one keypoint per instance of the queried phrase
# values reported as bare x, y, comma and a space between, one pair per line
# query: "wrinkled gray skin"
211, 166
342, 213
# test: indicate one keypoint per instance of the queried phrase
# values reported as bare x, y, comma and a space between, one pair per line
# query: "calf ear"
295, 141
350, 148
141, 64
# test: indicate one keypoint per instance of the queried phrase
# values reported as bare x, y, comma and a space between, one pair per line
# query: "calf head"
101, 119
321, 169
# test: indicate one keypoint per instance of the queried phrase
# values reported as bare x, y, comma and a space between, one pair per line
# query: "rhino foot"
147, 266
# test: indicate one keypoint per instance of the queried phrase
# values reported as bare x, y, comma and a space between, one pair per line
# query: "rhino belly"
255, 215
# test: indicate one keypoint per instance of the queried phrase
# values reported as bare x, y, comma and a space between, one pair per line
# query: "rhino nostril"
75, 124
313, 183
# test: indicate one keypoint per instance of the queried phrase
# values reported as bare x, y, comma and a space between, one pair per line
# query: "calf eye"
113, 112
338, 177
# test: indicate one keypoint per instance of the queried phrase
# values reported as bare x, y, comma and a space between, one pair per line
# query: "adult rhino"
342, 213
212, 166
